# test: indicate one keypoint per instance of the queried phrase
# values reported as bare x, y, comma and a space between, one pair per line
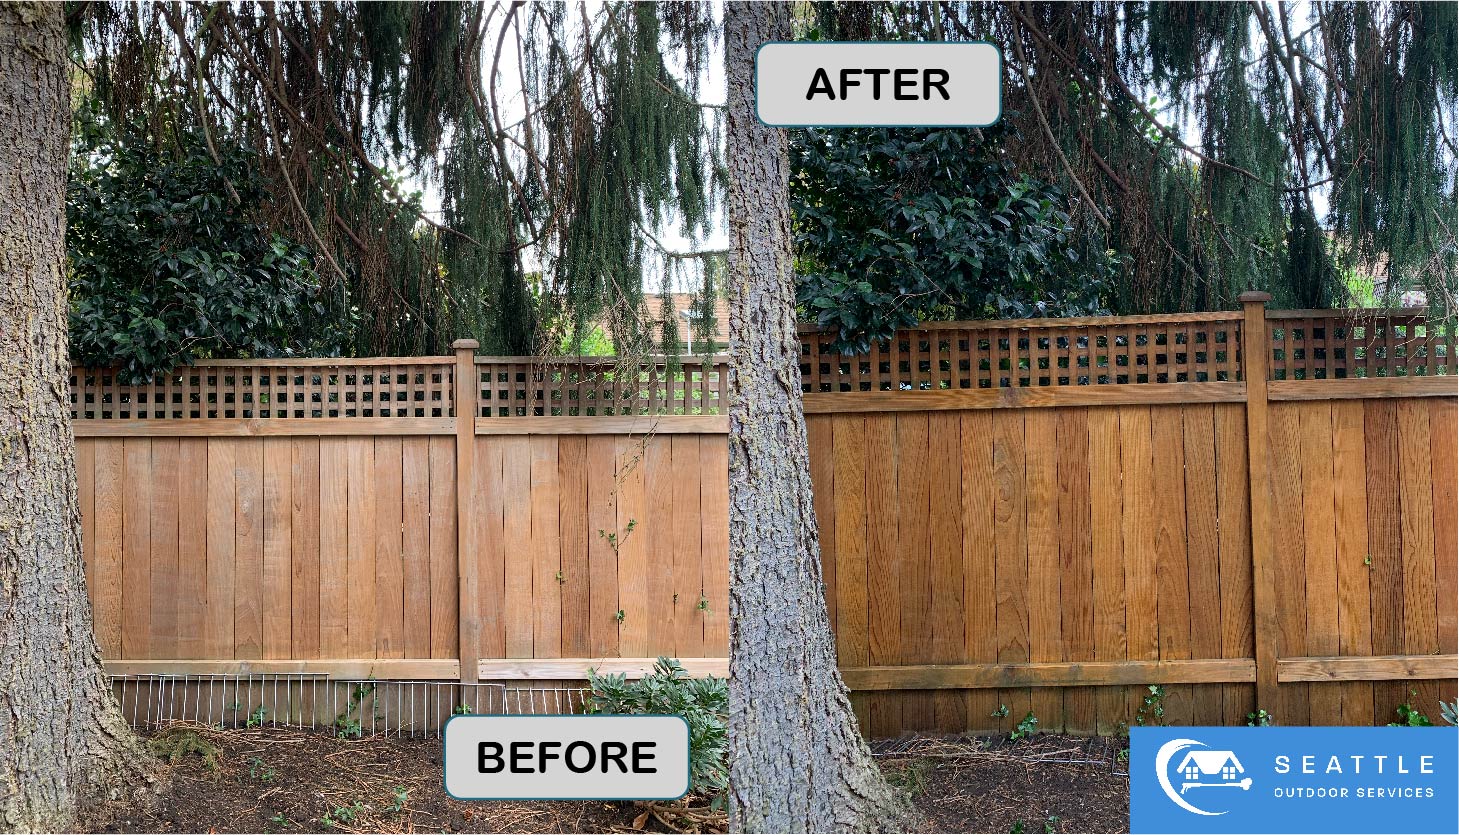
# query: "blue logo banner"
1336, 780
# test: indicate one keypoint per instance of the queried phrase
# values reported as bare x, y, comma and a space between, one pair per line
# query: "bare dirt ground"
277, 781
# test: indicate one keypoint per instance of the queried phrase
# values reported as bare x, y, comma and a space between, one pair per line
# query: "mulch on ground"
987, 784
277, 781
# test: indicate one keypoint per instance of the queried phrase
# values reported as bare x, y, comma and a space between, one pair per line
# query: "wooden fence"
1044, 515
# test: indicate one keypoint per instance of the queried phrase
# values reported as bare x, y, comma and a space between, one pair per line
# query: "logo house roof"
1222, 764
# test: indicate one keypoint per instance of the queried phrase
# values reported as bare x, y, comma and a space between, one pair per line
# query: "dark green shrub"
894, 226
703, 702
167, 265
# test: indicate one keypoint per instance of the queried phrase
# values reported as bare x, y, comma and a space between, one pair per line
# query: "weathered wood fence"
1047, 515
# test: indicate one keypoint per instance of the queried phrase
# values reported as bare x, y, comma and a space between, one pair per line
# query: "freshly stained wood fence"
1045, 516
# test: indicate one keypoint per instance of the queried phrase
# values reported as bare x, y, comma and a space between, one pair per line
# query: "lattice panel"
1075, 352
526, 386
407, 387
1343, 344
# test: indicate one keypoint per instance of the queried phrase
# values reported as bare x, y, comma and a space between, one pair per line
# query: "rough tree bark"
64, 747
797, 761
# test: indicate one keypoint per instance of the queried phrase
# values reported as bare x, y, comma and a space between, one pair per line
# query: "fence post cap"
1254, 296
466, 345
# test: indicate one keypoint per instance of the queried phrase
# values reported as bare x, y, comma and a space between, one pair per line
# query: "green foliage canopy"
170, 260
1221, 147
895, 226
553, 136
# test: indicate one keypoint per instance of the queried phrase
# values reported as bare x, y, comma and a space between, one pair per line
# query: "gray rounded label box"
566, 757
866, 84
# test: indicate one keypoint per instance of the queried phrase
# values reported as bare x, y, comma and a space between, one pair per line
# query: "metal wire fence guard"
349, 708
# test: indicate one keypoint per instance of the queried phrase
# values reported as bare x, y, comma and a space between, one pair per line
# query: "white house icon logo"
1202, 768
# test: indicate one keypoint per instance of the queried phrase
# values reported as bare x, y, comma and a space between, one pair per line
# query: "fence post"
468, 615
1255, 366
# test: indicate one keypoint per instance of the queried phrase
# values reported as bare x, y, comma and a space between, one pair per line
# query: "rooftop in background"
684, 304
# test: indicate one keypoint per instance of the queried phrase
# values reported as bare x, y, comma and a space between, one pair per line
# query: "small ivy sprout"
1368, 560
703, 603
560, 579
618, 616
1001, 712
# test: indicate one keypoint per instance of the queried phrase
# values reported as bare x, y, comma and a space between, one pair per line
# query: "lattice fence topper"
393, 387
1107, 350
1347, 344
601, 386
1033, 352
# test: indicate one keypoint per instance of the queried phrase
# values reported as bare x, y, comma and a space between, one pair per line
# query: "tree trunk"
797, 761
64, 747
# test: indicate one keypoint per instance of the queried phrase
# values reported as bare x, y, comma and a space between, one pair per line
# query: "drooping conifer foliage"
556, 137
1219, 147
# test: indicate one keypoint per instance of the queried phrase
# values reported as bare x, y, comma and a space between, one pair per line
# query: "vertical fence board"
1045, 628
1443, 428
944, 455
915, 555
883, 584
1076, 568
1172, 569
1350, 513
162, 623
820, 440
389, 576
444, 590
1385, 546
655, 529
1287, 520
1107, 548
106, 590
714, 539
848, 456
1202, 549
276, 593
979, 520
1140, 560
1233, 487
1416, 500
632, 551
334, 570
516, 493
137, 488
688, 570
487, 510
546, 607
415, 544
192, 566
86, 505
1319, 536
304, 527
572, 514
360, 576
1010, 572
603, 599
248, 535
